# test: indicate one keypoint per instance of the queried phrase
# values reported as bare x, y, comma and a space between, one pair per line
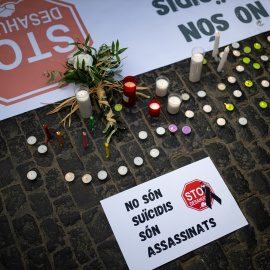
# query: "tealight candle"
201, 94
196, 64
221, 86
162, 84
246, 60
256, 66
235, 45
189, 114
172, 128
160, 131
42, 149
186, 129
231, 79
240, 68
264, 58
229, 106
257, 46
236, 53
154, 153
69, 177
263, 104
207, 108
268, 38
247, 49
237, 93
265, 83
138, 161
174, 102
32, 175
154, 108
185, 96
248, 83
143, 135
31, 140
242, 121
87, 178
102, 175
122, 170
221, 121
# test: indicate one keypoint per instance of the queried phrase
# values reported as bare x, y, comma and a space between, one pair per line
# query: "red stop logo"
194, 196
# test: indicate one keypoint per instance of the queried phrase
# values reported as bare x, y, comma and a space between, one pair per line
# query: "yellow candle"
59, 138
229, 106
107, 150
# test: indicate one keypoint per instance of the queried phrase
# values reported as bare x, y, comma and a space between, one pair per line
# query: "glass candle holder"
154, 108
197, 56
129, 91
174, 102
83, 100
162, 84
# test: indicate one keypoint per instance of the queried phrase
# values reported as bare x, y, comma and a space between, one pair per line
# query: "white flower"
88, 60
71, 58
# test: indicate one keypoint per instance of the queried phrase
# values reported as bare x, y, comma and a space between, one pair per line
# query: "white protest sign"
171, 215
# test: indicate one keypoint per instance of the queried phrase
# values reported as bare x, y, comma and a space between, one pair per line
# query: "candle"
31, 140
154, 153
84, 103
257, 46
84, 139
220, 54
221, 86
247, 50
118, 107
240, 68
265, 83
129, 90
237, 93
263, 104
92, 128
138, 161
69, 177
162, 84
268, 38
107, 150
87, 178
248, 83
236, 53
42, 149
186, 130
102, 175
174, 102
264, 58
207, 108
142, 135
221, 121
122, 170
201, 94
231, 79
154, 108
32, 175
223, 59
189, 114
256, 66
242, 121
229, 106
48, 133
196, 64
59, 138
160, 131
236, 45
185, 96
216, 45
172, 128
246, 60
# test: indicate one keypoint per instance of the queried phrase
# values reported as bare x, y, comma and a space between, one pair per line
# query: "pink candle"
84, 139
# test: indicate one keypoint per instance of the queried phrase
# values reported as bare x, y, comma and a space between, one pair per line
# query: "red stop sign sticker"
194, 195
34, 37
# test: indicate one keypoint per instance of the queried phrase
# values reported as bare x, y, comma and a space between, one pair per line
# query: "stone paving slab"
52, 224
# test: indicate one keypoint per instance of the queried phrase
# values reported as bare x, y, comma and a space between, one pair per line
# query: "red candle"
129, 90
154, 108
84, 139
59, 138
48, 133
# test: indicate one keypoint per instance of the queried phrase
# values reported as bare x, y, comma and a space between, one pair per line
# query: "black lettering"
158, 193
192, 232
151, 252
171, 242
206, 27
200, 229
188, 3
135, 220
169, 206
183, 235
240, 17
151, 215
157, 248
163, 8
144, 197
189, 32
172, 5
155, 230
164, 245
223, 25
205, 224
212, 222
177, 238
258, 10
142, 235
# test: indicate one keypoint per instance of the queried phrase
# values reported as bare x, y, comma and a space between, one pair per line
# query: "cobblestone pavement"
52, 224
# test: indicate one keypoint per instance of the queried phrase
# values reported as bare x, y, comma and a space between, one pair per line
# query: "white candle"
160, 131
69, 177
122, 170
32, 175
201, 94
221, 121
236, 53
236, 45
242, 121
240, 68
162, 84
143, 135
185, 96
216, 45
154, 153
264, 58
207, 108
42, 149
189, 114
237, 93
231, 79
84, 103
223, 59
196, 64
31, 140
265, 83
220, 54
174, 102
154, 106
138, 161
87, 178
102, 175
221, 86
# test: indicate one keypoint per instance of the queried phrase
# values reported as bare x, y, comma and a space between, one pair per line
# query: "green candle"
92, 123
263, 104
248, 83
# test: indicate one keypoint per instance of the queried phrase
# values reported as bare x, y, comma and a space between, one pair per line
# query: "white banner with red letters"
171, 215
35, 36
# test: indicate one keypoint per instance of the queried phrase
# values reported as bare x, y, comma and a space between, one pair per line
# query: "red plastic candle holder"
129, 90
154, 108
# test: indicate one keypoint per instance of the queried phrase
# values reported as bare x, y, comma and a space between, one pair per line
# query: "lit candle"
160, 131
48, 133
207, 108
129, 91
242, 121
102, 175
223, 59
221, 86
59, 138
162, 84
237, 93
42, 149
69, 177
189, 114
122, 170
263, 104
32, 175
138, 161
107, 150
231, 79
174, 102
216, 45
240, 68
84, 139
221, 121
201, 94
31, 140
229, 106
196, 64
154, 108
92, 122
142, 135
154, 153
265, 83
186, 130
236, 53
87, 178
84, 103
185, 96
172, 128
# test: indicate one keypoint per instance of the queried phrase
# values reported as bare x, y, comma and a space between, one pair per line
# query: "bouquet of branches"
97, 69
